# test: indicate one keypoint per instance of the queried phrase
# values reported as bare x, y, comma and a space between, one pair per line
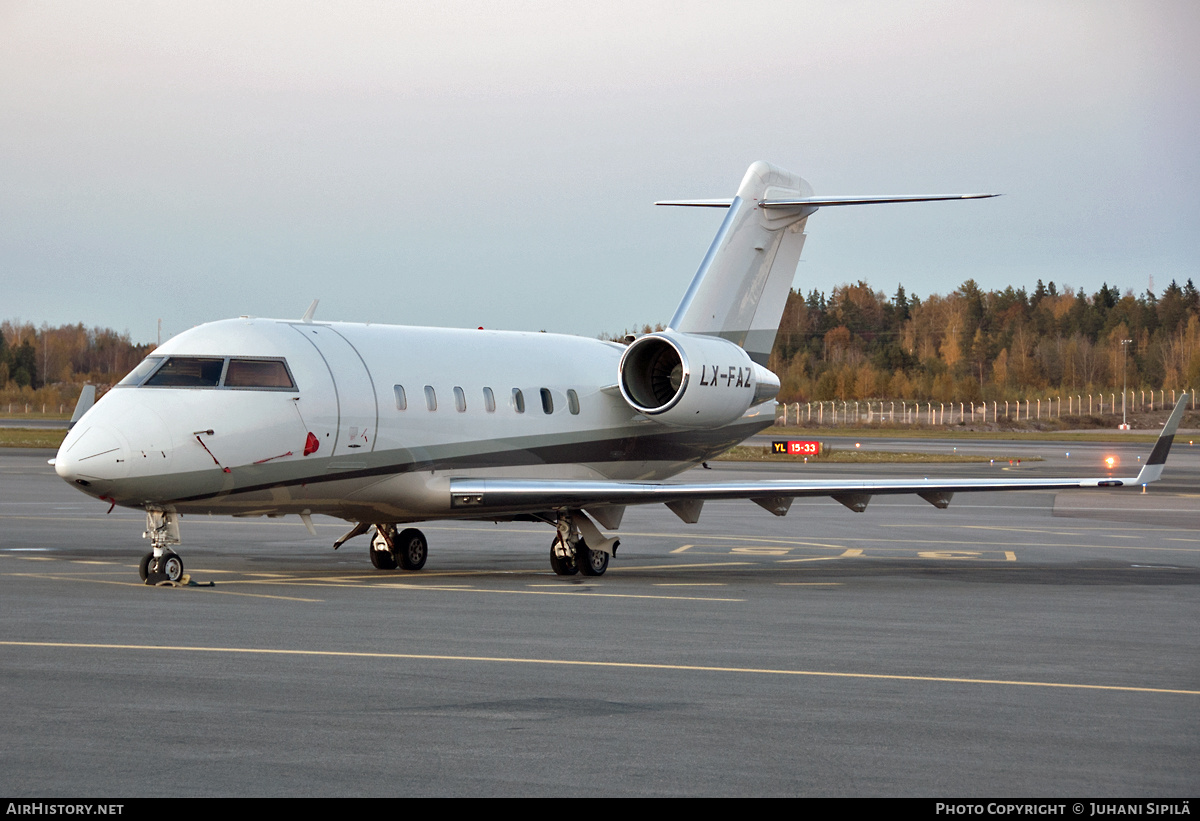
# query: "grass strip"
31, 437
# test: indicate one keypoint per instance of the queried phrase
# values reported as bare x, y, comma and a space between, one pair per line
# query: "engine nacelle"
692, 381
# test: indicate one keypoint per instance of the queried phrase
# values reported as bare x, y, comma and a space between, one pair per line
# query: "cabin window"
258, 373
460, 400
573, 402
401, 399
188, 372
430, 398
489, 400
547, 401
139, 373
518, 400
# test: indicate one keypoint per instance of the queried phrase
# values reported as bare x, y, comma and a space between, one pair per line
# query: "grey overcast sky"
479, 163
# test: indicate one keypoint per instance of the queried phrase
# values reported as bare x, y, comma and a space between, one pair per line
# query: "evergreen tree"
23, 365
1191, 297
901, 303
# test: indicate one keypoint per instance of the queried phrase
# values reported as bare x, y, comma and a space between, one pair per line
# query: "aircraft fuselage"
370, 422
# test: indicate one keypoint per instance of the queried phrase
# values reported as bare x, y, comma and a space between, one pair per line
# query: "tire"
382, 559
591, 562
170, 567
561, 566
382, 555
411, 549
144, 566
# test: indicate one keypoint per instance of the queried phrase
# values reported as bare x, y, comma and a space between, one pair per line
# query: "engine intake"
692, 381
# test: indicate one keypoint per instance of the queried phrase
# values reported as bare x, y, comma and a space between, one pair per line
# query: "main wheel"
170, 566
591, 562
411, 549
382, 559
382, 555
562, 565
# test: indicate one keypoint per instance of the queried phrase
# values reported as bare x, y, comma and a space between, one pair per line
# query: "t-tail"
741, 289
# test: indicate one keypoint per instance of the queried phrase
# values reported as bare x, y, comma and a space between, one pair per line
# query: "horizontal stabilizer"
717, 203
825, 202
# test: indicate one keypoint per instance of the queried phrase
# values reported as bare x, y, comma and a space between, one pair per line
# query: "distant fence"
842, 412
20, 408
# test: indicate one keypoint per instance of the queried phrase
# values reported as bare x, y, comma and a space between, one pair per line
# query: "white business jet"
385, 426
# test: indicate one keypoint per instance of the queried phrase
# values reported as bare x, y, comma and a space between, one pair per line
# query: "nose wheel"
162, 564
166, 568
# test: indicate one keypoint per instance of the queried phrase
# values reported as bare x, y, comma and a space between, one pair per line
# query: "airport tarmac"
1020, 644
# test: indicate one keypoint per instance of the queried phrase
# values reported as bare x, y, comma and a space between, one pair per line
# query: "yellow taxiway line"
628, 665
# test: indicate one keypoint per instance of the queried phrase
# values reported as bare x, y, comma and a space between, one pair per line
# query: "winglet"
1153, 468
308, 315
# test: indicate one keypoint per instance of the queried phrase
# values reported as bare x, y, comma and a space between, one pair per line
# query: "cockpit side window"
139, 373
188, 372
258, 373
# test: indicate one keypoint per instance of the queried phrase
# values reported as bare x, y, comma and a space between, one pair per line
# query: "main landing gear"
570, 554
406, 549
578, 547
584, 560
161, 564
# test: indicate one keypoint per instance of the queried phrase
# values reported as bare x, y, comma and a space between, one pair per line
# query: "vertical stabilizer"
742, 286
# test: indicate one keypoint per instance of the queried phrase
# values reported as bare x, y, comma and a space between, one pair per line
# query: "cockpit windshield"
187, 372
211, 372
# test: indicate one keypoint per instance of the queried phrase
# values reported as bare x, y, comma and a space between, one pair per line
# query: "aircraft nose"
96, 454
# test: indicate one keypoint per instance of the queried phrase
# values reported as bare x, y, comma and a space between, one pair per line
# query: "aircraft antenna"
308, 315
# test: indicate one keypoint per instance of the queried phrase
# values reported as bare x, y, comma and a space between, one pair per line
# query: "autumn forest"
853, 343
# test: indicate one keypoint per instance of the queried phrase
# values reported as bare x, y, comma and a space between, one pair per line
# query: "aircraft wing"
515, 495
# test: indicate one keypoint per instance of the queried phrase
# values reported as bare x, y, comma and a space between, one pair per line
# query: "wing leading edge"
524, 495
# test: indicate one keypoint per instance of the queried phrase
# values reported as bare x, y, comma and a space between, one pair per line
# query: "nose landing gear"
161, 564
